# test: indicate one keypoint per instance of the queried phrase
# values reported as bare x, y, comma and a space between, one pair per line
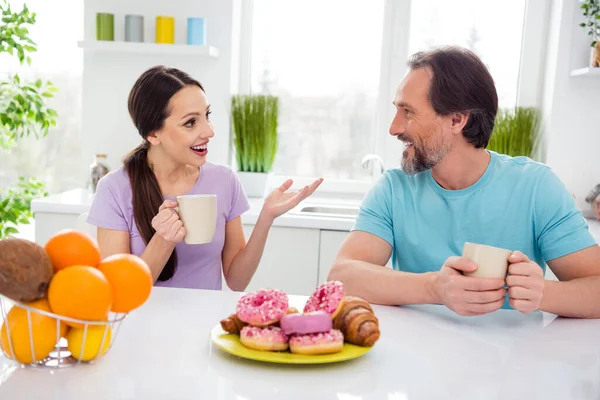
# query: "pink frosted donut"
263, 307
317, 343
328, 297
314, 322
269, 338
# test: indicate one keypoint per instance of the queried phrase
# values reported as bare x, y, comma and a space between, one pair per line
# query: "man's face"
427, 136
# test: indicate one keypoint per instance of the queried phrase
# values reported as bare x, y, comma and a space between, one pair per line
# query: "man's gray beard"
423, 161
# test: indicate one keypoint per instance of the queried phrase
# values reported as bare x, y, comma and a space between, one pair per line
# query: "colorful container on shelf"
134, 28
105, 26
196, 31
165, 30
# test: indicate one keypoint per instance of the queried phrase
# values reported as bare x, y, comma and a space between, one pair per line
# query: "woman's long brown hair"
148, 105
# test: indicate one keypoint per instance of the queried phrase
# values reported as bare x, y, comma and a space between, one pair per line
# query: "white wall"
108, 77
571, 104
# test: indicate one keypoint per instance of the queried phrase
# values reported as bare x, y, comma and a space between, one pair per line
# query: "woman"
134, 205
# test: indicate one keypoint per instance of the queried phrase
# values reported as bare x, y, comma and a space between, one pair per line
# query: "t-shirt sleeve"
375, 213
106, 211
239, 201
560, 227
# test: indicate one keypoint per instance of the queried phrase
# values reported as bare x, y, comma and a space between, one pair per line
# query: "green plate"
232, 345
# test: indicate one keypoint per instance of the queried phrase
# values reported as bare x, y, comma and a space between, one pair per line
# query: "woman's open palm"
281, 201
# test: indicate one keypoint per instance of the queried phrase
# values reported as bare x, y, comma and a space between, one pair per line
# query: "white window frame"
394, 55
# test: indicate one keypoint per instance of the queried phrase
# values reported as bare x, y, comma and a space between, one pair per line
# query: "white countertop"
163, 351
78, 201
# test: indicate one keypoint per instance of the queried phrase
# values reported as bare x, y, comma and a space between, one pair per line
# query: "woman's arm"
169, 231
241, 259
155, 255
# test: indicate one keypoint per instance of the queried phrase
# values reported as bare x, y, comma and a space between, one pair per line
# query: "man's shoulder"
519, 166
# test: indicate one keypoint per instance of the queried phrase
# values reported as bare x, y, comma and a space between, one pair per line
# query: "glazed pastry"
263, 307
357, 322
317, 343
328, 297
315, 322
232, 324
269, 338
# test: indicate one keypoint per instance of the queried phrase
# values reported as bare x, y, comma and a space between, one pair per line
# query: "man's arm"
360, 265
577, 294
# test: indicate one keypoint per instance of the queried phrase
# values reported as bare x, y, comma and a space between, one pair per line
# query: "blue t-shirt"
517, 204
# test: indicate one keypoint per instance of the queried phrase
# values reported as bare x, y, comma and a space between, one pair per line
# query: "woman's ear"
153, 138
459, 121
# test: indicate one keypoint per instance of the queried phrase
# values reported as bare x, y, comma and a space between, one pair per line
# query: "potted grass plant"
254, 124
516, 132
591, 11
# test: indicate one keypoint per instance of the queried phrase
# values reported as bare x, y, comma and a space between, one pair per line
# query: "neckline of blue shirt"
466, 191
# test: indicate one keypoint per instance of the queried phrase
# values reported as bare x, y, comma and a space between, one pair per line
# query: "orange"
43, 333
70, 247
80, 292
130, 279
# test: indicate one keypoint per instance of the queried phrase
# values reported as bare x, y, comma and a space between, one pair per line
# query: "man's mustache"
405, 138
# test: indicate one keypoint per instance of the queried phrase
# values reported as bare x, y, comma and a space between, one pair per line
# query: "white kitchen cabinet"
331, 241
48, 224
290, 261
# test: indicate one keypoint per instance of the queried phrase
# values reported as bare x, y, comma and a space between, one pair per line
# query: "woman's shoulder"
116, 182
218, 173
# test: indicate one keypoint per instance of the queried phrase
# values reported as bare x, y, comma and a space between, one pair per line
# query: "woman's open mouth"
200, 150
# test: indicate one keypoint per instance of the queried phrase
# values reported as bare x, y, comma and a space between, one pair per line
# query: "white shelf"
586, 72
148, 48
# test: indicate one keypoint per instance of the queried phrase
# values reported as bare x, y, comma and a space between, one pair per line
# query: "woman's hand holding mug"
167, 223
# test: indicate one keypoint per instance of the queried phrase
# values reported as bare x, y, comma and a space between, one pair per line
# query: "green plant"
23, 112
516, 132
15, 205
254, 121
591, 10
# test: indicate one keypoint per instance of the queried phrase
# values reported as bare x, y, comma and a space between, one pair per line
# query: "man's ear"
153, 138
459, 121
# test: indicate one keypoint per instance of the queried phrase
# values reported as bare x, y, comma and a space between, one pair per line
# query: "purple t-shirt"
198, 266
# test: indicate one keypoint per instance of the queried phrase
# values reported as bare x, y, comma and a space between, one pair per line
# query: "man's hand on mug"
167, 223
466, 295
525, 283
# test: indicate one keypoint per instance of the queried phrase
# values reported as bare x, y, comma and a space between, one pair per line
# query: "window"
53, 158
492, 29
336, 64
322, 58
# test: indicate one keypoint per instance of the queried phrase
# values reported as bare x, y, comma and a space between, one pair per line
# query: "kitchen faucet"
375, 163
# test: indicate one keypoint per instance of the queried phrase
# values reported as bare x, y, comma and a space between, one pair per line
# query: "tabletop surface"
163, 351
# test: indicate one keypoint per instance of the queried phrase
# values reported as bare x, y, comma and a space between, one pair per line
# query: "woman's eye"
190, 123
208, 114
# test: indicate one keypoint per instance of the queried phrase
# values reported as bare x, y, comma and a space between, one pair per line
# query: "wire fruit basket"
39, 338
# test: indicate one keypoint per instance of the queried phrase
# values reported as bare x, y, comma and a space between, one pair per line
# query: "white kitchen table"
163, 351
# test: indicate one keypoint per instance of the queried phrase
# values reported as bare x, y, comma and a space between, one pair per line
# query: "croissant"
357, 322
232, 324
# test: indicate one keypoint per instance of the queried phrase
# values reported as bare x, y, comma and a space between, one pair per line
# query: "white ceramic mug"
492, 262
198, 212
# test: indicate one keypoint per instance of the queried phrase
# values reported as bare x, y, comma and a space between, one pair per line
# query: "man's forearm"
577, 298
381, 285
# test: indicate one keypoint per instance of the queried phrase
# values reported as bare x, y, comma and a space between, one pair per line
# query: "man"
451, 190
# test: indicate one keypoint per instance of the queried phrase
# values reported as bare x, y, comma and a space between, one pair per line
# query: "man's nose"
397, 126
